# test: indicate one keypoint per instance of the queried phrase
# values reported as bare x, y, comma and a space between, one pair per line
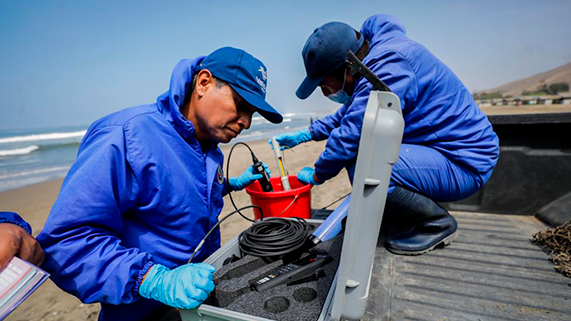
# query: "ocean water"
33, 156
263, 129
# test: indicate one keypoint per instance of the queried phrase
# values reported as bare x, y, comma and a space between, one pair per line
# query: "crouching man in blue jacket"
449, 148
147, 186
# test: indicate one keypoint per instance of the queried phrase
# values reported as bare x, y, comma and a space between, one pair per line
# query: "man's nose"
245, 120
325, 90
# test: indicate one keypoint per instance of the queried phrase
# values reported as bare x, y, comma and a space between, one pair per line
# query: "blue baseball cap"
326, 50
246, 75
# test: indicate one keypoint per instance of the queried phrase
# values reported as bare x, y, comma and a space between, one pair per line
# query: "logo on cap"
261, 82
264, 74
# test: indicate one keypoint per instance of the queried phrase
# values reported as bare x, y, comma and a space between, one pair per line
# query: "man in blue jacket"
449, 148
147, 186
16, 240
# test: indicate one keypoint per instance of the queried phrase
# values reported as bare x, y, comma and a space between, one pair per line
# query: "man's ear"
350, 84
204, 81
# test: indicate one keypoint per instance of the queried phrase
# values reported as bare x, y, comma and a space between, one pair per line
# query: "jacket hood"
170, 102
380, 28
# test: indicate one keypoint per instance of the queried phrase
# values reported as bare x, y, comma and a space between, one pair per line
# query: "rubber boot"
429, 225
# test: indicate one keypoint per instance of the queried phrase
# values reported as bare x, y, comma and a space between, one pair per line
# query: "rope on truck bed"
557, 242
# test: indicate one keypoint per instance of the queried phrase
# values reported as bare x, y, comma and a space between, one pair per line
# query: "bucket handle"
290, 204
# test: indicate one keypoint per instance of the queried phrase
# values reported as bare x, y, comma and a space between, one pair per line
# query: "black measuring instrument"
265, 180
292, 272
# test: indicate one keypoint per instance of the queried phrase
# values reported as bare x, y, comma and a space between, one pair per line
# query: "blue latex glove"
306, 175
185, 287
246, 178
289, 140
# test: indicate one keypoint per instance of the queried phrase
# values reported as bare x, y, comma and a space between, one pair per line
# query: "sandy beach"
34, 202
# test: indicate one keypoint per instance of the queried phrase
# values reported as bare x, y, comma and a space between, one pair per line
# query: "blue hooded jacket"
13, 218
438, 110
141, 191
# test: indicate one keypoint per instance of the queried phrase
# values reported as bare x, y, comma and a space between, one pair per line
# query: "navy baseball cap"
246, 75
326, 50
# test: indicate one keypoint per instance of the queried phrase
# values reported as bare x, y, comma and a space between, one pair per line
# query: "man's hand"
15, 241
307, 175
185, 287
246, 178
289, 140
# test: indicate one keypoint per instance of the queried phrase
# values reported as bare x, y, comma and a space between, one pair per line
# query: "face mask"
340, 97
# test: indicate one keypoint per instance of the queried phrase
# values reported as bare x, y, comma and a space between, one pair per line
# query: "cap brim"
262, 107
307, 87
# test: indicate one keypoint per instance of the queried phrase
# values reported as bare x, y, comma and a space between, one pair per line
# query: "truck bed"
490, 272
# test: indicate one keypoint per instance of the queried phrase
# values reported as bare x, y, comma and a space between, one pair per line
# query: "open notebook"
17, 281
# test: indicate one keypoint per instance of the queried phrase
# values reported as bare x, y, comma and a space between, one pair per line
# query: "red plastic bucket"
279, 202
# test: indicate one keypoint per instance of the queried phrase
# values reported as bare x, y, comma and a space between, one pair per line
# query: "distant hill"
515, 88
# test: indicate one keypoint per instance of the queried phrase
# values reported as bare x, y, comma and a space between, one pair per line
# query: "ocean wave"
36, 137
254, 133
33, 148
18, 151
35, 172
54, 146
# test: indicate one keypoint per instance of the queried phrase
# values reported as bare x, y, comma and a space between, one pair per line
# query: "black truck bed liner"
490, 272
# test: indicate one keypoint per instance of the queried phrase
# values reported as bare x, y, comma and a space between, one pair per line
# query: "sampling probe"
259, 169
281, 165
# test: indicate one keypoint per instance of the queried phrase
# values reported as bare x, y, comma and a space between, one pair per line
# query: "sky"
68, 63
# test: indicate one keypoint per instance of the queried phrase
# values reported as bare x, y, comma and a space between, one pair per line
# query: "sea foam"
36, 137
18, 151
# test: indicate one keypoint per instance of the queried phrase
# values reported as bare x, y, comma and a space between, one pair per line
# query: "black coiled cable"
273, 237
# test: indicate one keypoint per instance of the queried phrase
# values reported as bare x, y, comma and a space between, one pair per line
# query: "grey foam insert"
233, 280
296, 302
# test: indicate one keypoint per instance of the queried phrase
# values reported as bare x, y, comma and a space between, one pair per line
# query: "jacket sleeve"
343, 143
13, 218
321, 128
81, 238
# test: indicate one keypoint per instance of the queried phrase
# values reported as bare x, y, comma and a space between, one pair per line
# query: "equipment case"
379, 147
